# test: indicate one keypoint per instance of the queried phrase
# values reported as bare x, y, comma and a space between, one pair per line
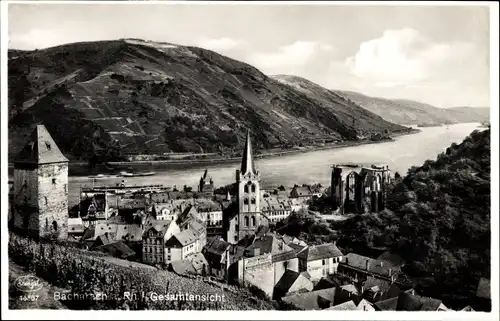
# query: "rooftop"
40, 149
319, 252
367, 264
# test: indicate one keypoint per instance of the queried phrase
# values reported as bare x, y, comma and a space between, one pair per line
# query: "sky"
433, 54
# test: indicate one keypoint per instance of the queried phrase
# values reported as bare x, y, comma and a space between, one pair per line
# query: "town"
227, 233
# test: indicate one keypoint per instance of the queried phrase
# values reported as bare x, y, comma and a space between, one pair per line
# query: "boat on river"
128, 174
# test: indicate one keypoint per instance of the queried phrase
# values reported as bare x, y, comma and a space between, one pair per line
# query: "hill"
439, 222
135, 96
408, 112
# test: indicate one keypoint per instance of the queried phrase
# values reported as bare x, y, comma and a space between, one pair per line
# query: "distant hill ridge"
407, 112
135, 96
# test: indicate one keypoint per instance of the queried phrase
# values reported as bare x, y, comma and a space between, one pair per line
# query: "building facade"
154, 240
320, 260
359, 189
40, 188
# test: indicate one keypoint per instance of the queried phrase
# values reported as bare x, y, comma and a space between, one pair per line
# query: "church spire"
247, 160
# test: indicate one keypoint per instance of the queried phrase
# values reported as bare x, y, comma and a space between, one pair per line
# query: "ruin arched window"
351, 186
245, 201
379, 182
253, 220
245, 221
54, 226
253, 188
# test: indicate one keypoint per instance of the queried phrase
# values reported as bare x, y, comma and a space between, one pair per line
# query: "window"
253, 220
53, 181
324, 262
245, 188
253, 200
54, 226
253, 188
168, 250
245, 201
47, 145
168, 257
245, 223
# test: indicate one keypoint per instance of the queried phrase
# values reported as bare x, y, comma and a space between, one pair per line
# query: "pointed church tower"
40, 197
248, 197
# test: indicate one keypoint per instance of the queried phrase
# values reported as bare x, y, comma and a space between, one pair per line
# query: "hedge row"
86, 274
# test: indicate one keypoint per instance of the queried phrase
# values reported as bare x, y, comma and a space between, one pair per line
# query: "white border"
237, 315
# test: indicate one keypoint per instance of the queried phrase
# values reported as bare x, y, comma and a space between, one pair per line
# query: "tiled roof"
319, 252
116, 249
106, 238
267, 244
217, 245
315, 300
279, 257
183, 267
285, 282
368, 264
198, 261
408, 302
346, 306
40, 149
129, 232
184, 238
364, 305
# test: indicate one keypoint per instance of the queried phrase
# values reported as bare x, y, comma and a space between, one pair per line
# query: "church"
243, 217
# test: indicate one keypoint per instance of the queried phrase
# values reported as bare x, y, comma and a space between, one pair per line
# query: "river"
311, 167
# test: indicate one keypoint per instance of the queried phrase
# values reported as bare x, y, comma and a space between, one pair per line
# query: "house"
274, 209
75, 227
302, 192
291, 282
319, 260
164, 211
129, 233
181, 245
154, 238
358, 268
194, 264
263, 263
216, 252
346, 306
94, 207
315, 300
103, 239
408, 302
116, 249
393, 291
347, 292
364, 305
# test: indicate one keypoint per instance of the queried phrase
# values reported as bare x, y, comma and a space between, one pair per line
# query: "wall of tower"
53, 199
249, 217
25, 199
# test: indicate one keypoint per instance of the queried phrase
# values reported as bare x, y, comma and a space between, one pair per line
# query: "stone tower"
40, 189
248, 197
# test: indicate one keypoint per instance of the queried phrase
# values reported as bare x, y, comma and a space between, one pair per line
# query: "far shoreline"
80, 168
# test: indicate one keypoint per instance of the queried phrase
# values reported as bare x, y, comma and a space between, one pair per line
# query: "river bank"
81, 168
